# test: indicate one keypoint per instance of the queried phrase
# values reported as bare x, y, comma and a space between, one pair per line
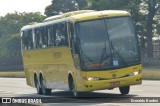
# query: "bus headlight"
90, 78
135, 73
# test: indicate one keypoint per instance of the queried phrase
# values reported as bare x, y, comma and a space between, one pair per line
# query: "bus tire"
75, 93
124, 90
72, 88
37, 85
45, 91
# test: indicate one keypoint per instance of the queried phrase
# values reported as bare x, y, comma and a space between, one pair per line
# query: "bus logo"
114, 75
57, 54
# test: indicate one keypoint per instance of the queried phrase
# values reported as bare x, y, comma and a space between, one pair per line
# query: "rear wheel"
38, 87
124, 90
45, 91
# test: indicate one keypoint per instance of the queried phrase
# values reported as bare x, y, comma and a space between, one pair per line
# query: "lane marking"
137, 90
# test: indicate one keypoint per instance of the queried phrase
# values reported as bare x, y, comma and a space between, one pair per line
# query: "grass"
148, 73
12, 74
151, 73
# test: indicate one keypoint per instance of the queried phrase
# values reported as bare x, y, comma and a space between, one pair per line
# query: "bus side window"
54, 33
61, 35
33, 37
74, 41
71, 32
24, 40
64, 31
30, 39
44, 37
50, 33
36, 38
40, 37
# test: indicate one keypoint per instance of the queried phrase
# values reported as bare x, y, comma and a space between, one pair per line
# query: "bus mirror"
77, 61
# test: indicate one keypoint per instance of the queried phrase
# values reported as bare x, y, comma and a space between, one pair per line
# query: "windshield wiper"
103, 54
118, 54
85, 57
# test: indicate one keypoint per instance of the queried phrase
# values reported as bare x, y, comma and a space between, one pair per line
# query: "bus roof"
100, 14
79, 16
68, 14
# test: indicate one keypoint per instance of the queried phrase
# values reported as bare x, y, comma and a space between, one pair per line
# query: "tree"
63, 6
10, 26
153, 6
81, 4
158, 29
12, 23
128, 5
143, 17
13, 45
108, 4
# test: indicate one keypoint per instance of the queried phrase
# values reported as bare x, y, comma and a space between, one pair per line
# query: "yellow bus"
82, 51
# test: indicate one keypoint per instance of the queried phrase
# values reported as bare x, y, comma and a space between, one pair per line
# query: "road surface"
16, 87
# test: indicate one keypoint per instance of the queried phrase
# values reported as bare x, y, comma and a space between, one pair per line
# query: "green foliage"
10, 46
153, 6
131, 6
13, 45
141, 11
144, 13
158, 28
10, 26
108, 4
63, 6
12, 23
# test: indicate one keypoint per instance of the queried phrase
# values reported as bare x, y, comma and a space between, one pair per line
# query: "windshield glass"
107, 43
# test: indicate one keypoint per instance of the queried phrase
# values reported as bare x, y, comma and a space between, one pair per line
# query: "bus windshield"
107, 43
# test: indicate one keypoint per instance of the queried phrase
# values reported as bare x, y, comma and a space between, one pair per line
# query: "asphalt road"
16, 87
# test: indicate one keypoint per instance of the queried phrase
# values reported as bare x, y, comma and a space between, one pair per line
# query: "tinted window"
61, 35
94, 44
107, 43
71, 32
45, 36
27, 40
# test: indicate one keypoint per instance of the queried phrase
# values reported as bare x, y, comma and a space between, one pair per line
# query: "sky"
10, 6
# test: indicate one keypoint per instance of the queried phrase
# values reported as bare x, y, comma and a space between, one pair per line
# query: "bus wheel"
124, 90
38, 87
75, 93
45, 91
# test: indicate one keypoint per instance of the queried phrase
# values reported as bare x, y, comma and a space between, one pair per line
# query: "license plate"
115, 83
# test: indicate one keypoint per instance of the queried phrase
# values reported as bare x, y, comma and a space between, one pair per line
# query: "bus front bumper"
109, 84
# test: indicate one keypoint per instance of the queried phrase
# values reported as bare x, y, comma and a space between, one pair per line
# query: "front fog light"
131, 74
90, 78
135, 73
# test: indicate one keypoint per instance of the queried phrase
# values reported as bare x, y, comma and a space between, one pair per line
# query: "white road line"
12, 92
137, 90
